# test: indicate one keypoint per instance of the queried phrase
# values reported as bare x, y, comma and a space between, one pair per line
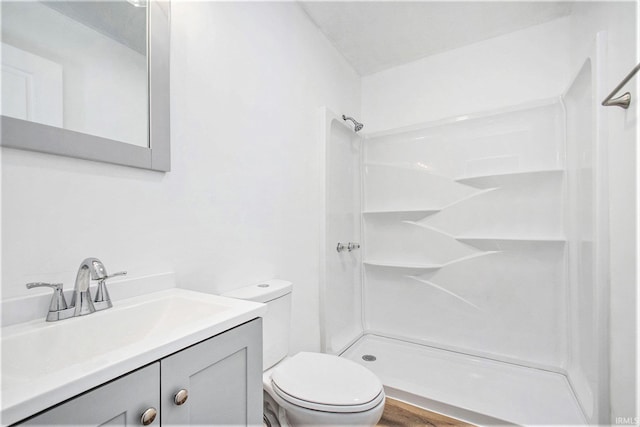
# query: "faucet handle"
119, 273
55, 286
102, 299
58, 303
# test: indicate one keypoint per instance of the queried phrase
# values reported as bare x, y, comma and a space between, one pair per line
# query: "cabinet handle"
148, 416
181, 397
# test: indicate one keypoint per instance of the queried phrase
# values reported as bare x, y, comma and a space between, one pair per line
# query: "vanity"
172, 357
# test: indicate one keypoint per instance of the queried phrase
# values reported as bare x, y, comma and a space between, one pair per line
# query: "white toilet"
308, 388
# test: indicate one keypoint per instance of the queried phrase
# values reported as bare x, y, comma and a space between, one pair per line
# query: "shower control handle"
351, 246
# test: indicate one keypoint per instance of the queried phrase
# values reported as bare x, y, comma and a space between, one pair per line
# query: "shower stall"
480, 287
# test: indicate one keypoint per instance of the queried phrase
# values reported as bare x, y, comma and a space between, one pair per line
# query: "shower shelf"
403, 265
497, 180
424, 211
407, 166
427, 266
501, 243
466, 239
402, 165
427, 211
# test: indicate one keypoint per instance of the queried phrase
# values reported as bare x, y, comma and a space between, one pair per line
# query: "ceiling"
375, 35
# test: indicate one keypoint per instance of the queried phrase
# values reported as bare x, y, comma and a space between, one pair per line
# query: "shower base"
473, 389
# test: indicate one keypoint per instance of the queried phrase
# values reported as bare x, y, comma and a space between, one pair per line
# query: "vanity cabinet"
221, 378
120, 402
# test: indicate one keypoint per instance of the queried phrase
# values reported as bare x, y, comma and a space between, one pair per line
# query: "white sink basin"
44, 363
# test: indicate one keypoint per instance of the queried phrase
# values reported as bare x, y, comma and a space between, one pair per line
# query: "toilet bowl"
315, 388
309, 388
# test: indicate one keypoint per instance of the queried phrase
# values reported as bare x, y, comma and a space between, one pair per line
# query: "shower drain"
369, 358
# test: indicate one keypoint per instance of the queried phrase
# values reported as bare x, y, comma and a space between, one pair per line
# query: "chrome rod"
623, 100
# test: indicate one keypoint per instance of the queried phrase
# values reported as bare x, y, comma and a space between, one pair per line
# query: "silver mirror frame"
26, 135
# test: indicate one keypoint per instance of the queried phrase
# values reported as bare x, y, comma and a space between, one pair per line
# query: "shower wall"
464, 235
340, 281
620, 21
588, 240
499, 72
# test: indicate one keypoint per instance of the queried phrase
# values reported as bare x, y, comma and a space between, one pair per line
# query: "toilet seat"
326, 383
328, 408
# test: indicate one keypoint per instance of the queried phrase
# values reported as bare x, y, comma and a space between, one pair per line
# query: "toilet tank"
276, 323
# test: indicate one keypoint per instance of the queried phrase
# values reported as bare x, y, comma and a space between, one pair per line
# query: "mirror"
87, 79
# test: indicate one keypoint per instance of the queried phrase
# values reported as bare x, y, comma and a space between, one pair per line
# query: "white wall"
507, 70
240, 204
620, 20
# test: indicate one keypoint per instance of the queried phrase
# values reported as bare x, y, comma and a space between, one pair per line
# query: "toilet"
308, 388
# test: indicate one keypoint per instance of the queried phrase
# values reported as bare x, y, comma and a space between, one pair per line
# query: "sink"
44, 363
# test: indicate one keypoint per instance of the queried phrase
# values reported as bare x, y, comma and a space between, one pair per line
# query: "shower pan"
480, 287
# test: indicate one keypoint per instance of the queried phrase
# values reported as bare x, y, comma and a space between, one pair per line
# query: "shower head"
357, 125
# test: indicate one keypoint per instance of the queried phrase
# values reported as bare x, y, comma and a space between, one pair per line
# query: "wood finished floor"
397, 413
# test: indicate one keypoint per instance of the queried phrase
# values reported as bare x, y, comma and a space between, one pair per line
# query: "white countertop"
44, 363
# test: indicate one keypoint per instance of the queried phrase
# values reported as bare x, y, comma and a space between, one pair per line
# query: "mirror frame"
26, 135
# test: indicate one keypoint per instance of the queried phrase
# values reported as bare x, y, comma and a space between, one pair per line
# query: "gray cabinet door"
120, 402
223, 378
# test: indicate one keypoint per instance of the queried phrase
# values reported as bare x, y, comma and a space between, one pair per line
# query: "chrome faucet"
90, 268
81, 303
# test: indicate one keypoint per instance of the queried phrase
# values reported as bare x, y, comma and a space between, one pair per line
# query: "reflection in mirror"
77, 65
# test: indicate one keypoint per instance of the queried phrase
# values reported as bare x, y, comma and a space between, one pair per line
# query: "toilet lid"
326, 382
